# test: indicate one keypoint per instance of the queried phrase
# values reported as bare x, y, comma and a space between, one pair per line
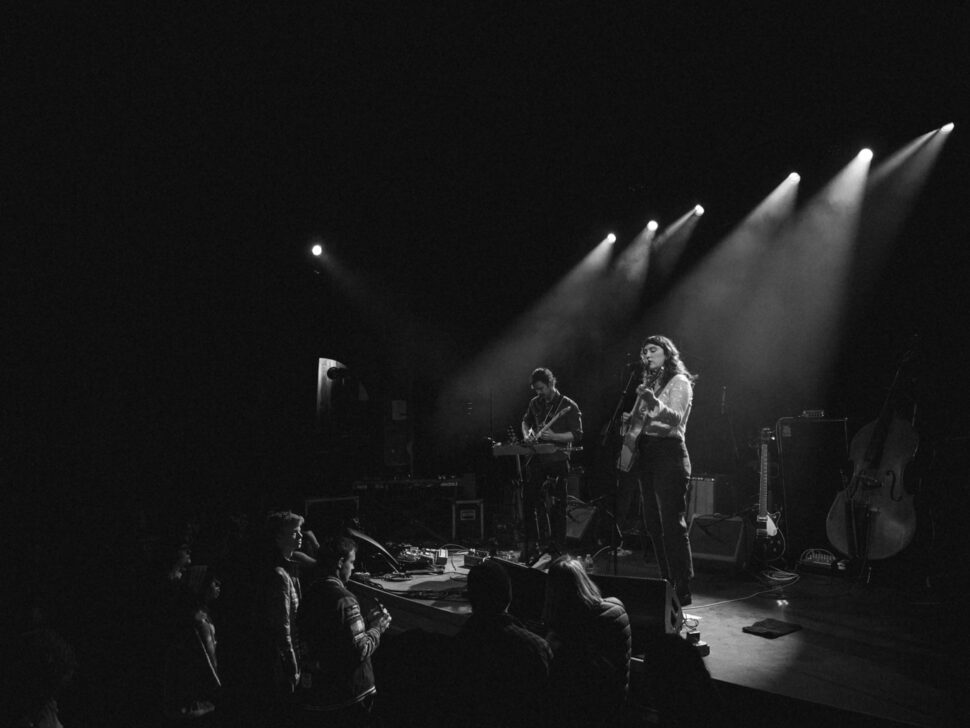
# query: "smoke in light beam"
547, 329
702, 309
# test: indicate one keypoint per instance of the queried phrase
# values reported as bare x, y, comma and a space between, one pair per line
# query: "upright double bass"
873, 516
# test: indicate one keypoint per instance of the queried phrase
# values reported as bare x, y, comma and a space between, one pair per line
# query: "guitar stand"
858, 519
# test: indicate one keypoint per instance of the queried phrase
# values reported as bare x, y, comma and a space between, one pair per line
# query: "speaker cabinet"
711, 494
651, 605
813, 454
414, 511
580, 518
574, 484
719, 542
468, 520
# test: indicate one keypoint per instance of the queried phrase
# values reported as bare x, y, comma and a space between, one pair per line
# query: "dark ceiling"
167, 170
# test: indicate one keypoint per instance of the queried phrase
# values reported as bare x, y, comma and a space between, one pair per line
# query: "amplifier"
720, 542
711, 494
468, 520
580, 518
411, 510
406, 484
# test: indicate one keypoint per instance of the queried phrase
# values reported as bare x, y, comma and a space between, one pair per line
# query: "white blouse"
669, 418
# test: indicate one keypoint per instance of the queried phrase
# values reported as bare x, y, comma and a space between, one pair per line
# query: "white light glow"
317, 250
698, 210
794, 177
611, 238
865, 155
947, 128
652, 226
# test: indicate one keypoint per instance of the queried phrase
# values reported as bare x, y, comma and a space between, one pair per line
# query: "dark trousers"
664, 479
544, 501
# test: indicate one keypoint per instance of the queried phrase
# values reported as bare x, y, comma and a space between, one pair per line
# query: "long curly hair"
672, 365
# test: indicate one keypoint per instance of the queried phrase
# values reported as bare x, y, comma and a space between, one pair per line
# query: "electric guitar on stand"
768, 543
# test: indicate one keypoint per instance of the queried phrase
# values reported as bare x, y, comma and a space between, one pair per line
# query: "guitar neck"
764, 464
555, 417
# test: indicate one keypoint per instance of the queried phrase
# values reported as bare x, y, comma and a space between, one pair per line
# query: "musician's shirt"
540, 412
669, 418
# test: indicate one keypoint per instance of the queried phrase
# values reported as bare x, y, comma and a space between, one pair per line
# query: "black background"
166, 168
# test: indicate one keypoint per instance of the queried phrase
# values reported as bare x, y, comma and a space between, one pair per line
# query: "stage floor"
876, 653
864, 655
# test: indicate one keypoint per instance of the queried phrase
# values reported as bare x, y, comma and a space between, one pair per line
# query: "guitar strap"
549, 414
552, 409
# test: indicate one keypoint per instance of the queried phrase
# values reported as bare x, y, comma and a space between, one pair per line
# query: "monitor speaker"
720, 542
371, 554
580, 518
650, 604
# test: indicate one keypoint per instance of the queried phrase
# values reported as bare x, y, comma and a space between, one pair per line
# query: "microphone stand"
607, 432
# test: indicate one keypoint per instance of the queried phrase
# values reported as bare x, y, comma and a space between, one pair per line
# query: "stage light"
652, 226
317, 250
698, 210
794, 177
611, 238
865, 155
947, 128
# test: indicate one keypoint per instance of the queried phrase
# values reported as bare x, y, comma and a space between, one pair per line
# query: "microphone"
723, 400
631, 363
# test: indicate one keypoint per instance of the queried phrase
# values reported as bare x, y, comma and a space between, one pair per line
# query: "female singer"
663, 405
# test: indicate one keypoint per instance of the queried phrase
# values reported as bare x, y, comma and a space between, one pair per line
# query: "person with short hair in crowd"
505, 667
591, 643
278, 605
338, 641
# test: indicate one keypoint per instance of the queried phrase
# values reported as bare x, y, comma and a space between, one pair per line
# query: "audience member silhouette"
191, 664
676, 681
504, 666
36, 667
591, 643
277, 662
338, 684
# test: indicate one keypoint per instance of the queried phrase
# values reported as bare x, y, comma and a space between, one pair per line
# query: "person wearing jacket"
338, 641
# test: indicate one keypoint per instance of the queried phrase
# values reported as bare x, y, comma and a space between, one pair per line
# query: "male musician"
551, 418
